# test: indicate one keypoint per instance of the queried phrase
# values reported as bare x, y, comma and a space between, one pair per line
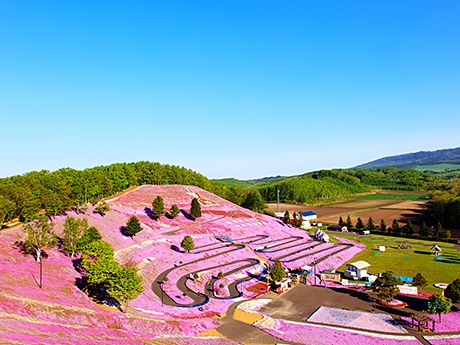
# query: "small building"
279, 215
309, 215
321, 236
435, 249
357, 270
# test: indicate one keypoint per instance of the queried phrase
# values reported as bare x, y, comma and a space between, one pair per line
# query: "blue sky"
241, 89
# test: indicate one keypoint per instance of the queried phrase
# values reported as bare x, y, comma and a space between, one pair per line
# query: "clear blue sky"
241, 89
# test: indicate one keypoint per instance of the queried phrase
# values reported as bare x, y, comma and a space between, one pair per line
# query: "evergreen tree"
370, 224
453, 291
90, 235
438, 304
40, 236
385, 286
341, 222
395, 228
72, 233
359, 224
97, 260
6, 208
298, 220
383, 226
187, 243
419, 281
158, 206
174, 211
195, 209
287, 217
408, 229
132, 226
277, 272
349, 223
424, 232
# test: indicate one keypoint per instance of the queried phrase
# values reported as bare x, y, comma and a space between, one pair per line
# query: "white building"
357, 270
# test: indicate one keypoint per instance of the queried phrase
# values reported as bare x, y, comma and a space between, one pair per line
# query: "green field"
379, 196
405, 262
443, 169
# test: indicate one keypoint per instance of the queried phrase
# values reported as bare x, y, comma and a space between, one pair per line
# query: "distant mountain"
413, 160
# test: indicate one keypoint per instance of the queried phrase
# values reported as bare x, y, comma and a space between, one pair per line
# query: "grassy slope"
399, 260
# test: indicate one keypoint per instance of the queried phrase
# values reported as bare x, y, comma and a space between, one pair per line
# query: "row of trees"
432, 233
102, 272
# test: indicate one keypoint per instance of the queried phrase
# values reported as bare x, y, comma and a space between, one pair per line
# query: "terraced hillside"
177, 310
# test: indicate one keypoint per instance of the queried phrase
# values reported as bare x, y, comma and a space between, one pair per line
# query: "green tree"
90, 235
287, 217
187, 243
6, 208
438, 304
419, 281
132, 226
254, 201
40, 236
370, 224
298, 220
385, 286
359, 224
395, 228
124, 285
102, 208
341, 222
97, 260
349, 223
158, 206
195, 209
174, 211
453, 291
277, 272
424, 232
408, 229
383, 226
72, 233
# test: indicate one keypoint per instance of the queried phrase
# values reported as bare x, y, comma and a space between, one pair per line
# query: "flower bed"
356, 319
311, 334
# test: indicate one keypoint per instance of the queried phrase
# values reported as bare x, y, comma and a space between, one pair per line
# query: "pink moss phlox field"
450, 322
444, 339
61, 313
310, 334
356, 319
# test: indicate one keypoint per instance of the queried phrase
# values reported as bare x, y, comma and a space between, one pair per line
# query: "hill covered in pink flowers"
183, 292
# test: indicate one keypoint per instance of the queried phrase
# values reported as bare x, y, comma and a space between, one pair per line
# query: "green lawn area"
405, 262
378, 196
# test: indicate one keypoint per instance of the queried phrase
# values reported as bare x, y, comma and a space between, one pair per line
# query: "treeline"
321, 186
331, 185
446, 210
24, 196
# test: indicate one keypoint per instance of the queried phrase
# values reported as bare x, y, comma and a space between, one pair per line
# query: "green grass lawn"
405, 262
378, 196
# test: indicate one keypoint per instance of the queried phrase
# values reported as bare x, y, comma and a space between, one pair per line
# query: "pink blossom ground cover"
443, 339
356, 319
150, 251
311, 334
450, 322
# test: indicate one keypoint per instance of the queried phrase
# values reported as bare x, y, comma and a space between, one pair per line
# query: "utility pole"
278, 199
41, 270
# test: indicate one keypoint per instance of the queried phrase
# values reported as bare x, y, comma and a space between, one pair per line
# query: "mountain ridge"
414, 159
